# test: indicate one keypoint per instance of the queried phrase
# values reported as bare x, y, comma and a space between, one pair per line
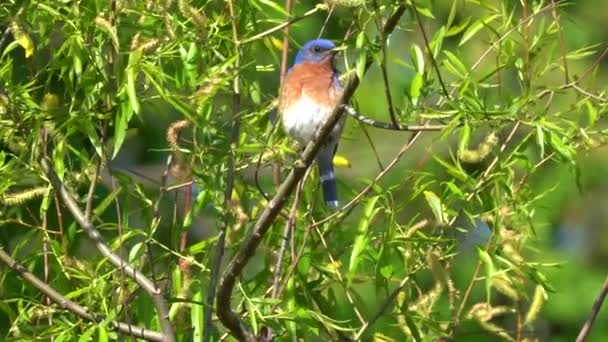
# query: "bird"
310, 91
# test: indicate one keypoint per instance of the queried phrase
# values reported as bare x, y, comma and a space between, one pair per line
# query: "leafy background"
508, 199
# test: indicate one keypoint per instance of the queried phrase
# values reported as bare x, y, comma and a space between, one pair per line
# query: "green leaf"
454, 30
465, 137
561, 148
477, 25
417, 58
102, 334
121, 124
591, 113
131, 92
485, 258
88, 334
436, 206
455, 65
415, 88
360, 67
540, 140
197, 316
361, 240
425, 12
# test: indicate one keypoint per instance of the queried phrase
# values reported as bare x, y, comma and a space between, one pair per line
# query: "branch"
385, 304
73, 307
234, 139
224, 311
106, 251
384, 125
597, 305
288, 23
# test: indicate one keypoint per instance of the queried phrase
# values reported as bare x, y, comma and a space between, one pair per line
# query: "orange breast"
314, 80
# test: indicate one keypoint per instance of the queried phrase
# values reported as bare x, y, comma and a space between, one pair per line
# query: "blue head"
315, 51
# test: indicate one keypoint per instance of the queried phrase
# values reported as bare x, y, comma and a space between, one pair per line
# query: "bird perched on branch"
310, 92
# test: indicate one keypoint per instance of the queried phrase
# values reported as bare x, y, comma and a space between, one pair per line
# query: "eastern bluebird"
311, 90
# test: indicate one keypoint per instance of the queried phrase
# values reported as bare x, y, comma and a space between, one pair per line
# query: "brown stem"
73, 307
234, 138
106, 251
597, 305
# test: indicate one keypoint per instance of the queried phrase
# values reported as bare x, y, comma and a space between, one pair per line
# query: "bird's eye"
316, 48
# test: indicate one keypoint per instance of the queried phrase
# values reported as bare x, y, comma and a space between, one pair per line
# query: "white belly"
302, 119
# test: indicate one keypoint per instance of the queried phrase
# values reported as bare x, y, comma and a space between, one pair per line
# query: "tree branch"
106, 251
597, 305
384, 125
234, 139
224, 310
73, 307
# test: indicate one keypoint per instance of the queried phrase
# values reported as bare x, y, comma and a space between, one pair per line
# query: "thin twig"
560, 35
106, 251
349, 296
384, 305
289, 224
384, 125
234, 138
383, 68
347, 208
88, 209
372, 145
597, 305
74, 307
428, 48
526, 36
477, 188
123, 281
279, 27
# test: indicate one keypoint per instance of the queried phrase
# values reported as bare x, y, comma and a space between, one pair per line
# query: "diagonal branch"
74, 307
597, 305
106, 251
224, 310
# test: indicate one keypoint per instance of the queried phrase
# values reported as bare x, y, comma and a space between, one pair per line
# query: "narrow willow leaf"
131, 91
485, 258
360, 67
540, 140
465, 137
473, 29
436, 206
121, 124
88, 334
454, 62
416, 88
102, 334
361, 240
561, 148
425, 12
417, 58
591, 113
538, 299
196, 317
454, 30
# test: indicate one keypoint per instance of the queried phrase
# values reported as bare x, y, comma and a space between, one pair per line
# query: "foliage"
441, 245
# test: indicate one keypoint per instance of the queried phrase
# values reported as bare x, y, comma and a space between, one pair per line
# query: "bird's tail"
330, 188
